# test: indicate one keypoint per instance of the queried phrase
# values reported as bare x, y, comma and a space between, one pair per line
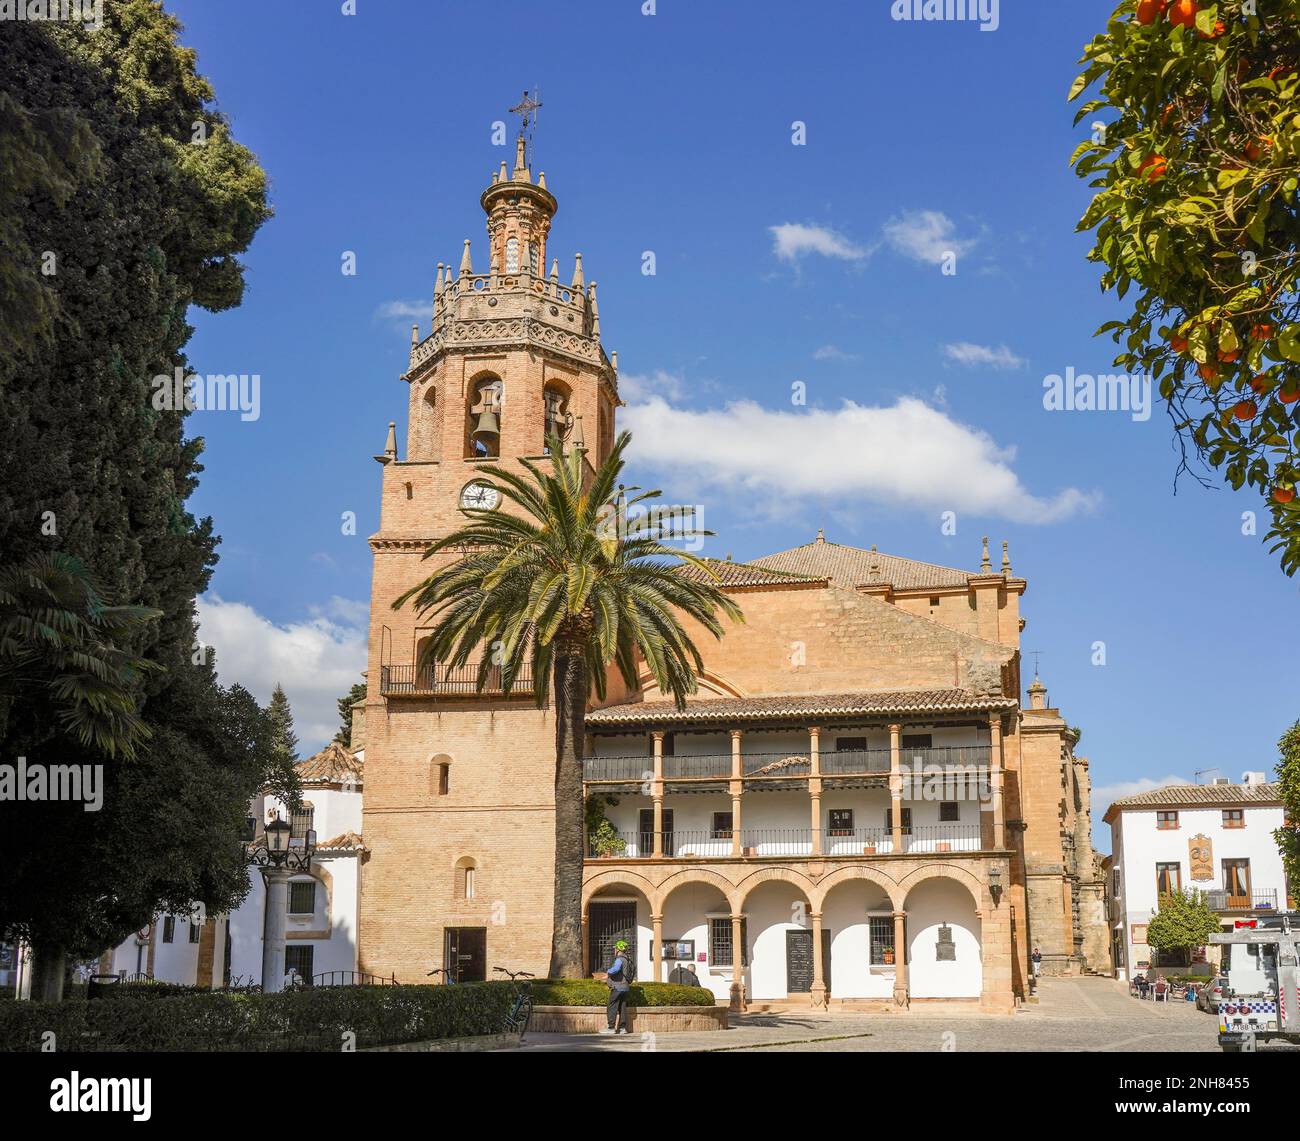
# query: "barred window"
194, 932
299, 959
882, 936
169, 928
720, 951
302, 897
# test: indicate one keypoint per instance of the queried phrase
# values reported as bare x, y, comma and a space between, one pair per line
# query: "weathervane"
1036, 654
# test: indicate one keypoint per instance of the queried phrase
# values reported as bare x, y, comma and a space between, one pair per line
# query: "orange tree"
1195, 160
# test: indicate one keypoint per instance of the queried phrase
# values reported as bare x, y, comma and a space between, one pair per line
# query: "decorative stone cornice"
400, 542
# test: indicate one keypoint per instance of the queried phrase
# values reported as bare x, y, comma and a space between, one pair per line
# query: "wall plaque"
945, 950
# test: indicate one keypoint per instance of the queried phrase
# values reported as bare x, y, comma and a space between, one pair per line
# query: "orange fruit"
1178, 344
1149, 11
1229, 357
1289, 397
1283, 494
1153, 167
1260, 384
1245, 410
1208, 371
1182, 13
1261, 333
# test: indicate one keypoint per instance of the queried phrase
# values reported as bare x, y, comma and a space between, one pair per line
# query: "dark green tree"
123, 201
346, 702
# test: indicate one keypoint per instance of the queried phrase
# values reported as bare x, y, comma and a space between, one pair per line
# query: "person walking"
1037, 959
619, 978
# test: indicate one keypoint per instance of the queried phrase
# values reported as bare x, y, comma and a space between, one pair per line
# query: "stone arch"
484, 389
617, 877
971, 882
767, 875
557, 396
699, 875
857, 873
709, 682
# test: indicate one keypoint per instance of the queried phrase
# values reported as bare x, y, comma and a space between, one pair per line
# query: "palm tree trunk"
570, 841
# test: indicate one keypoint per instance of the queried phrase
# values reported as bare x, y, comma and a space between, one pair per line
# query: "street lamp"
995, 883
278, 858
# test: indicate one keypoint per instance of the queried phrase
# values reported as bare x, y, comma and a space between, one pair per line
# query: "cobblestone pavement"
1072, 1014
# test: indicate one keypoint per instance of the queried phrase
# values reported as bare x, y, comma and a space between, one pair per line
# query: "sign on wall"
1201, 850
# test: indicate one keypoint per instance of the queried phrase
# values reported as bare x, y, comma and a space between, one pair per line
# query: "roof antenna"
1196, 776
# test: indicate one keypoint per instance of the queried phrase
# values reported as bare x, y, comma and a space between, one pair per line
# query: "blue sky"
775, 263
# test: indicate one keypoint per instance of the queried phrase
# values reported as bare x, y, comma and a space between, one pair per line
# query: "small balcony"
438, 680
765, 843
1258, 899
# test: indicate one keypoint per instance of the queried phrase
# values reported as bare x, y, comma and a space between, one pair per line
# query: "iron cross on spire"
527, 109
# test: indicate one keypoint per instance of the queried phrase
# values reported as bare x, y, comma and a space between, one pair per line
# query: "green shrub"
593, 992
313, 1019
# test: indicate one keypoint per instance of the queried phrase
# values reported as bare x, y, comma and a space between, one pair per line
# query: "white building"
1215, 838
323, 903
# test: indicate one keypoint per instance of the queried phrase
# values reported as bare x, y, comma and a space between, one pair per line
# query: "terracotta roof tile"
348, 840
332, 765
1196, 795
851, 566
747, 574
801, 705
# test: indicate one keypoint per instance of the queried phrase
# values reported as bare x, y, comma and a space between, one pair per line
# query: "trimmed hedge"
317, 1019
593, 992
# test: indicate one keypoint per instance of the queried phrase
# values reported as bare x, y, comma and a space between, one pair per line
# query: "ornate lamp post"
278, 858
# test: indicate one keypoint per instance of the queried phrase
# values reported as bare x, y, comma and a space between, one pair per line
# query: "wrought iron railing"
1258, 899
457, 681
777, 765
839, 761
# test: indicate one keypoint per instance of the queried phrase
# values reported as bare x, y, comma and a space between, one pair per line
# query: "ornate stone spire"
578, 281
595, 311
466, 266
1006, 559
985, 564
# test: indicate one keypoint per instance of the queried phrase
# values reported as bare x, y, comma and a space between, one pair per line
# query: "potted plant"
889, 956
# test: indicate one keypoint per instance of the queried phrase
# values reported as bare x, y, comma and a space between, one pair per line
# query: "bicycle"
521, 1010
447, 977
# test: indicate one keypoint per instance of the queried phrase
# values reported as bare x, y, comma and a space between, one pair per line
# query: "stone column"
737, 963
819, 968
997, 953
815, 788
657, 947
274, 920
900, 959
657, 795
737, 787
997, 768
896, 787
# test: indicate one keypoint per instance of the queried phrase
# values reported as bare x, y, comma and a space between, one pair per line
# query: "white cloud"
926, 236
792, 240
317, 660
910, 455
965, 353
1105, 795
404, 314
833, 353
634, 386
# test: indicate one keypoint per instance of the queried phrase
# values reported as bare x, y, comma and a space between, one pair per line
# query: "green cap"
621, 945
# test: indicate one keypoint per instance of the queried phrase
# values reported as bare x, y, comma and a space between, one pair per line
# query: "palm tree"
570, 584
61, 658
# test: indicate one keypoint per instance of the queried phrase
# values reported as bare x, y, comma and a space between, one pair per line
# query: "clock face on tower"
480, 496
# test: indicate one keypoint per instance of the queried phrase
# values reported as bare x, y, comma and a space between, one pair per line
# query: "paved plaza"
1072, 1014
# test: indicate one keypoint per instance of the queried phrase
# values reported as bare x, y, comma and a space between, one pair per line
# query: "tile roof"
747, 574
332, 765
801, 705
350, 841
851, 566
1196, 795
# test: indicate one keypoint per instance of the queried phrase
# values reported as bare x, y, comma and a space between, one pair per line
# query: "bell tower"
459, 776
512, 358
